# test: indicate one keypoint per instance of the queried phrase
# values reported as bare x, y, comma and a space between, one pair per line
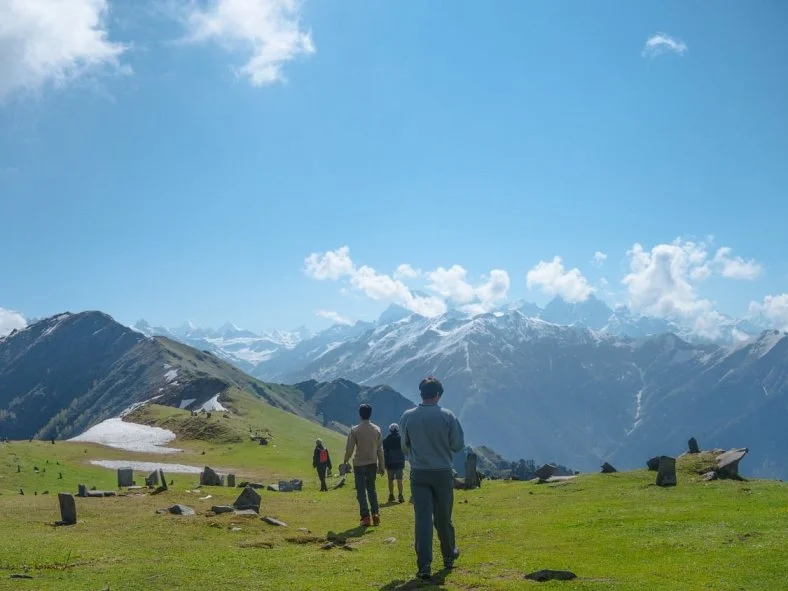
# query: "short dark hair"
430, 387
365, 411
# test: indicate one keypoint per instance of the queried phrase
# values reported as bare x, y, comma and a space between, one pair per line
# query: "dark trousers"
433, 502
321, 474
365, 487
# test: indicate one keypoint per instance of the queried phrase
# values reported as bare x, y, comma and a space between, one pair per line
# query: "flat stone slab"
99, 493
181, 510
551, 575
245, 513
272, 521
218, 509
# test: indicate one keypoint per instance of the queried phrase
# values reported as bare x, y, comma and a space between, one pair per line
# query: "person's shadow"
435, 582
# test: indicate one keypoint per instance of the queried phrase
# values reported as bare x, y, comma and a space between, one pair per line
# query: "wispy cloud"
663, 43
599, 258
269, 31
334, 317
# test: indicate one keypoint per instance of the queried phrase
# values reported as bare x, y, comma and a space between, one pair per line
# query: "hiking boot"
366, 521
454, 556
401, 499
391, 499
424, 573
376, 519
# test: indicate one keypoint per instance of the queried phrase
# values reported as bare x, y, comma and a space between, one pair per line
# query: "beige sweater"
365, 439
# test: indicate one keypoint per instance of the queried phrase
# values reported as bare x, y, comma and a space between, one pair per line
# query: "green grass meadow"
615, 531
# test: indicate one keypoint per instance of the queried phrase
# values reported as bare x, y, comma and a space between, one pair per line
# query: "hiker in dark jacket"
321, 461
395, 460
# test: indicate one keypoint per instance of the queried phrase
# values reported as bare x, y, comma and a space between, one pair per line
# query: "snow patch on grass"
119, 434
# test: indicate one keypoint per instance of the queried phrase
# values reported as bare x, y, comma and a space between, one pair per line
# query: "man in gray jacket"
431, 435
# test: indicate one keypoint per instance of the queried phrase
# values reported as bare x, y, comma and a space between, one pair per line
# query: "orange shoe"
376, 519
366, 521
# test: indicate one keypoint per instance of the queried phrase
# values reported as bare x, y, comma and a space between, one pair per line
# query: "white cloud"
337, 264
736, 267
599, 258
662, 43
405, 271
553, 279
53, 42
269, 30
774, 310
332, 264
334, 317
451, 283
494, 289
10, 320
659, 283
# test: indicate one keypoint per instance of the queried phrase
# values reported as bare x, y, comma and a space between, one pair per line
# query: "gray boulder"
248, 499
208, 477
545, 472
693, 446
728, 463
125, 477
653, 463
608, 468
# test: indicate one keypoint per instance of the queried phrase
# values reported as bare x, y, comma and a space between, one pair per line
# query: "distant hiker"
365, 439
395, 460
431, 435
321, 461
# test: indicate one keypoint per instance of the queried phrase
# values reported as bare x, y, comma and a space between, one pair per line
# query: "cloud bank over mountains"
664, 281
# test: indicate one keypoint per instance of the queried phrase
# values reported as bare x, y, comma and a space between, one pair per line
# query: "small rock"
390, 540
304, 530
206, 497
235, 529
276, 522
709, 476
551, 575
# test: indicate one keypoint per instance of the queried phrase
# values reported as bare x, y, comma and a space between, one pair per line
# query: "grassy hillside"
615, 531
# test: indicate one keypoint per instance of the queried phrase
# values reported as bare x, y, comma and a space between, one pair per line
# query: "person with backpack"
395, 461
431, 435
365, 440
321, 461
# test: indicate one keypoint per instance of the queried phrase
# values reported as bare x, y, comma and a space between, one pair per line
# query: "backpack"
323, 456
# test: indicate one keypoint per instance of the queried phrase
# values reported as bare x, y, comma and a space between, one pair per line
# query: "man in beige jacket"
365, 439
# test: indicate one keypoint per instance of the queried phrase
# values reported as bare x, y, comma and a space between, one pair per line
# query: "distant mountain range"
280, 352
527, 387
63, 374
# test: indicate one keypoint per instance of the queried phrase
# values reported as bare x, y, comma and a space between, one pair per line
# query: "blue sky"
179, 160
